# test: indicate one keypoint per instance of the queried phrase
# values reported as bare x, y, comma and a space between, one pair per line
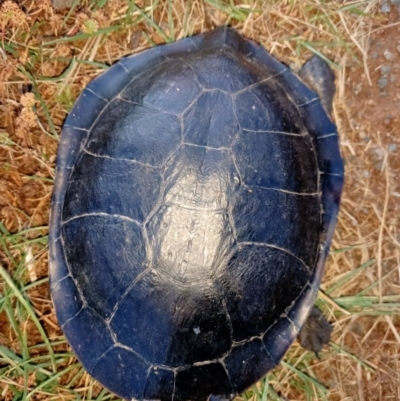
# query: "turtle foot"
316, 331
317, 74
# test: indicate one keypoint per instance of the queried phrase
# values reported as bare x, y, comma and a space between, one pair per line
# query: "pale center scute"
191, 233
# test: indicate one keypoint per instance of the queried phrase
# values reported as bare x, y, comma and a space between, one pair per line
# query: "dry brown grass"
54, 55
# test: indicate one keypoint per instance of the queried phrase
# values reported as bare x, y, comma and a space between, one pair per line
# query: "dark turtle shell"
197, 190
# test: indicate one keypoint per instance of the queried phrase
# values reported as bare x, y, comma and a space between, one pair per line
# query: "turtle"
197, 190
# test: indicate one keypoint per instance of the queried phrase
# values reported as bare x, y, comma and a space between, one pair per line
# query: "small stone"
388, 55
392, 147
385, 9
61, 4
357, 89
382, 82
135, 39
387, 120
377, 153
385, 70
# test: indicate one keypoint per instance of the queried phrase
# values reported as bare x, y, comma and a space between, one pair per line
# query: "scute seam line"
327, 135
77, 128
146, 107
332, 174
247, 88
73, 317
283, 190
233, 388
78, 288
313, 100
133, 161
263, 244
195, 208
96, 94
126, 292
102, 214
222, 148
139, 356
273, 132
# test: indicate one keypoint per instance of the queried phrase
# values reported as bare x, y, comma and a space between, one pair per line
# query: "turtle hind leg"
316, 331
317, 74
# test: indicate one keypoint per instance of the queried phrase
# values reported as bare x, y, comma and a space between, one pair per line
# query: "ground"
47, 56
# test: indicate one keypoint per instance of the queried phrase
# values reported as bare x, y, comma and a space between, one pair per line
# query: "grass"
54, 57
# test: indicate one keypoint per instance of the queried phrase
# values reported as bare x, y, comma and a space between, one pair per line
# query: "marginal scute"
328, 155
197, 383
299, 312
317, 121
89, 336
247, 363
214, 39
331, 187
272, 67
279, 337
66, 295
296, 90
239, 44
119, 77
139, 63
127, 370
59, 270
68, 151
159, 384
180, 48
88, 100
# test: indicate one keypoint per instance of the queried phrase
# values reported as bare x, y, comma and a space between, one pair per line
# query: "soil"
369, 118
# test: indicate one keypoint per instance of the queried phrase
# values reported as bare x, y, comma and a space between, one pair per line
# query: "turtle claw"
316, 332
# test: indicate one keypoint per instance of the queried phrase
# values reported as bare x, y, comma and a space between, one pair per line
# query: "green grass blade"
6, 277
